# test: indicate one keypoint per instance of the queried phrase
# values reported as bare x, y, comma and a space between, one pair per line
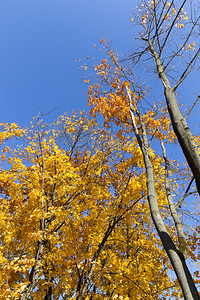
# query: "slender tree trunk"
34, 274
176, 257
179, 123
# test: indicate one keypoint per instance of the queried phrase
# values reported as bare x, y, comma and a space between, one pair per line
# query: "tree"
74, 220
163, 24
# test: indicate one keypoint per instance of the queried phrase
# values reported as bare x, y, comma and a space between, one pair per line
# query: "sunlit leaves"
76, 178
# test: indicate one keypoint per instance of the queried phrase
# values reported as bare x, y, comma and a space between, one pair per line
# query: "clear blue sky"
39, 43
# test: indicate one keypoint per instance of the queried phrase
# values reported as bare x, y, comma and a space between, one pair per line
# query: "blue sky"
40, 41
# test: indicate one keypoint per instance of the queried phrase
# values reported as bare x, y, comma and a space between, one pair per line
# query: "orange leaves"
191, 46
112, 105
174, 11
103, 41
103, 68
160, 126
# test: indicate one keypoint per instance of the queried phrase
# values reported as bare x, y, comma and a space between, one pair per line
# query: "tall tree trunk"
179, 123
176, 257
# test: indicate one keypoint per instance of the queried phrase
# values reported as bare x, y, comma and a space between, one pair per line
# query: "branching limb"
35, 270
182, 46
179, 123
180, 201
115, 220
187, 70
95, 257
75, 141
187, 193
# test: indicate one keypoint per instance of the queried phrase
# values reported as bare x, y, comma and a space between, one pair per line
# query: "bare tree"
170, 33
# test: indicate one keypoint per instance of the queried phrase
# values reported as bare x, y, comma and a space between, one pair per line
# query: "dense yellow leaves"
64, 193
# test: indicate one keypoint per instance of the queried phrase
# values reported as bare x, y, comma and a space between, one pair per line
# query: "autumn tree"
74, 217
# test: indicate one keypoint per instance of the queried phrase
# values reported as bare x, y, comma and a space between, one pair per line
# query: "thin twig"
195, 102
170, 29
186, 72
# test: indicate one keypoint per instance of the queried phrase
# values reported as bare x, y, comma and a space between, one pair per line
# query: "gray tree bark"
179, 123
176, 257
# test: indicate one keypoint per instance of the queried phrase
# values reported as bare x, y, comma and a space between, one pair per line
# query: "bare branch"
187, 193
183, 247
182, 46
172, 25
195, 102
186, 71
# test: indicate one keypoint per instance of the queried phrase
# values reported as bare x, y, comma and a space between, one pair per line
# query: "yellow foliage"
64, 188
